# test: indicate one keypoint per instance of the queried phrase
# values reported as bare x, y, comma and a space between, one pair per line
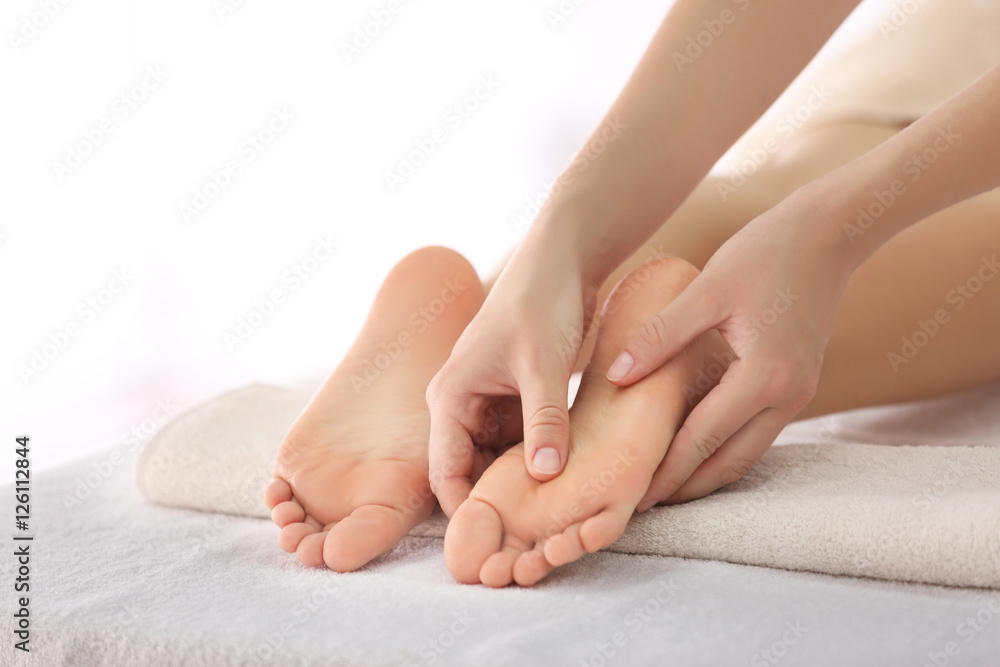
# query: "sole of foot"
516, 529
350, 477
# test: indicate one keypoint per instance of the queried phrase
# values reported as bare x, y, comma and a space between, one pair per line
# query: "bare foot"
513, 528
350, 478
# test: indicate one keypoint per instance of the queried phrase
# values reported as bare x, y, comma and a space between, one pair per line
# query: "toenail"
546, 461
622, 365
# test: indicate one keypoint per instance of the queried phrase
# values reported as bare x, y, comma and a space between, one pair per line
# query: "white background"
161, 338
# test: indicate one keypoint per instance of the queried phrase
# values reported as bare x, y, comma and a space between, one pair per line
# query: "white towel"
926, 514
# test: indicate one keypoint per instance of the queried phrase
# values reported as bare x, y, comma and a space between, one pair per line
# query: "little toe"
600, 531
292, 534
473, 535
277, 492
565, 547
531, 567
287, 512
310, 549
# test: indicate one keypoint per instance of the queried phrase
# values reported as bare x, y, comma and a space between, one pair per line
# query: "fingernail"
646, 506
623, 364
546, 461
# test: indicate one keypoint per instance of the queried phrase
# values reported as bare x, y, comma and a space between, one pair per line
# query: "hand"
524, 342
772, 291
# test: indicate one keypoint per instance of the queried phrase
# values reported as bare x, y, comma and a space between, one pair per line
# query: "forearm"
947, 156
686, 102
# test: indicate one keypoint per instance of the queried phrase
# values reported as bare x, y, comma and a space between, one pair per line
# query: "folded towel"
926, 514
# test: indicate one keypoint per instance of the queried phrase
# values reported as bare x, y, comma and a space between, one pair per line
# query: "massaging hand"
771, 291
523, 343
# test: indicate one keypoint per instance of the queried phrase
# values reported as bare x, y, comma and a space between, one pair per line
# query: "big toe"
474, 534
368, 532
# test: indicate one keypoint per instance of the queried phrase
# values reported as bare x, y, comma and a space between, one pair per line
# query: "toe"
369, 531
498, 570
287, 512
565, 547
474, 534
531, 567
310, 549
277, 492
292, 534
601, 531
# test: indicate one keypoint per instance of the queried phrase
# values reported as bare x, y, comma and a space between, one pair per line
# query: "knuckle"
705, 444
782, 381
550, 416
434, 391
653, 332
735, 470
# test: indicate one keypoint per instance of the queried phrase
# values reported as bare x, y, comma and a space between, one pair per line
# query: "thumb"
665, 334
546, 425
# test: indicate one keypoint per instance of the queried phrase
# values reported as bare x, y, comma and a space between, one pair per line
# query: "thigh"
921, 317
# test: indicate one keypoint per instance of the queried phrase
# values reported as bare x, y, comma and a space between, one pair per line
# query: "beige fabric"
924, 514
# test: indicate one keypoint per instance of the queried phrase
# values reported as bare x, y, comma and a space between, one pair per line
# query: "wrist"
827, 206
569, 237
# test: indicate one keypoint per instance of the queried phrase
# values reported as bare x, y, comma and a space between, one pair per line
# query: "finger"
735, 458
724, 411
450, 462
545, 406
666, 333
